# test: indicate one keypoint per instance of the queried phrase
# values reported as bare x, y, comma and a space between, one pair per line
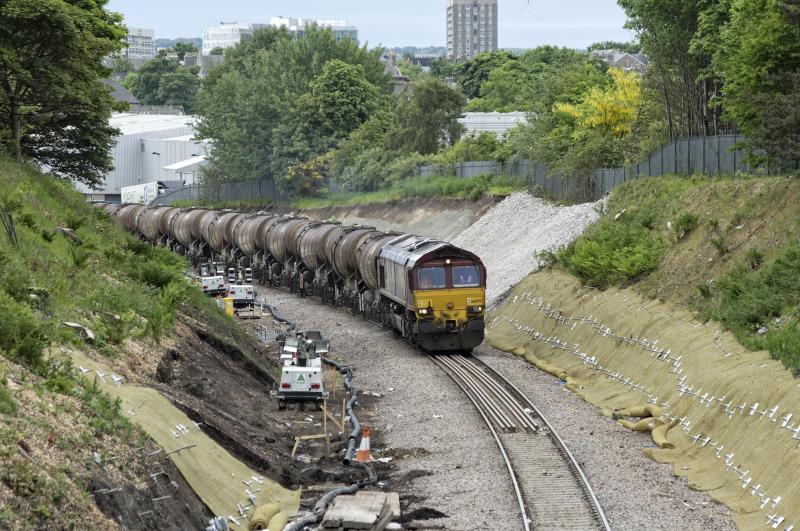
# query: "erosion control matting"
218, 479
725, 418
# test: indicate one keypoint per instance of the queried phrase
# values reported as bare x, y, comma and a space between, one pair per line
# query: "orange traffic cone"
363, 454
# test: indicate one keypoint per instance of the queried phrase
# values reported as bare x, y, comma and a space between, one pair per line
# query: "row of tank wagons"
301, 369
307, 250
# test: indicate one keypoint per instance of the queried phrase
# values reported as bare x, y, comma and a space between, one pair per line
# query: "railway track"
551, 489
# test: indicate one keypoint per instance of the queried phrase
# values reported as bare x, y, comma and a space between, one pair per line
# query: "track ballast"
552, 490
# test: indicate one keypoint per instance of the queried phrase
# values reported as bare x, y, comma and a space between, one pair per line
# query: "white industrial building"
498, 123
151, 147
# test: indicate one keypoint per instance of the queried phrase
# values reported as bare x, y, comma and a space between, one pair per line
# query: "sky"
522, 24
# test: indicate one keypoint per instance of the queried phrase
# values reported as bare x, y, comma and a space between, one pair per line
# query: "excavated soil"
440, 218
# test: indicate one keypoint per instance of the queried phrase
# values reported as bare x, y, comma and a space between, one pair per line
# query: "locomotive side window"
431, 278
466, 277
382, 276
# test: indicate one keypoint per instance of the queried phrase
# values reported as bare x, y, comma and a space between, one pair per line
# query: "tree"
162, 81
427, 118
758, 58
179, 89
673, 36
474, 72
217, 51
182, 48
145, 82
51, 91
255, 105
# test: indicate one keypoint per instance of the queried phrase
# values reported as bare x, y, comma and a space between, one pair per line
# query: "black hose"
351, 388
372, 477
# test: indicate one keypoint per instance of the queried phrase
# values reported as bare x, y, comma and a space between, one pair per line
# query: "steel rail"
501, 392
503, 421
562, 446
526, 522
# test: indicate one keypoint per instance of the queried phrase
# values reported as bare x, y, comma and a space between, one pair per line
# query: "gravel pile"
510, 235
444, 459
634, 491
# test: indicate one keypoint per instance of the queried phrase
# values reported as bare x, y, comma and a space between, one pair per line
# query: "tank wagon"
429, 291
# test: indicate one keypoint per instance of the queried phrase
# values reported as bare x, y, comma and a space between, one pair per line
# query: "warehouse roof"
130, 124
493, 122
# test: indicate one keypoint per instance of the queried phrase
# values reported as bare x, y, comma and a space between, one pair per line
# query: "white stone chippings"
509, 237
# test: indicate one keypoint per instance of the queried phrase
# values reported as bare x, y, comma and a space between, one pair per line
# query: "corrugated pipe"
277, 315
372, 477
351, 388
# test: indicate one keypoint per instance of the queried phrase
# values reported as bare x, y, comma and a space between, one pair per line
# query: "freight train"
431, 292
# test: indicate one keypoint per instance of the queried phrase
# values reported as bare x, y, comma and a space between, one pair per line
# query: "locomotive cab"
439, 291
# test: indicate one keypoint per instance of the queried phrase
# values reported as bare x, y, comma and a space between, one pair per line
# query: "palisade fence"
266, 190
711, 155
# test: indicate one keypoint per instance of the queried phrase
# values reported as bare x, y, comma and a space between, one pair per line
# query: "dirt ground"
440, 218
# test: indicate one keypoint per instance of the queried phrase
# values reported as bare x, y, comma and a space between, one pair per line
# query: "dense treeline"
722, 66
275, 108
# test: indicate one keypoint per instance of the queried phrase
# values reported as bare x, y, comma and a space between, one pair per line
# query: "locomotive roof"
409, 250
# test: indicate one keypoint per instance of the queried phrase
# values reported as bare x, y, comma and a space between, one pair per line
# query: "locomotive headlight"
474, 309
425, 312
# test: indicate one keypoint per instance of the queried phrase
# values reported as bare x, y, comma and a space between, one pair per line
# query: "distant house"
399, 82
120, 93
628, 62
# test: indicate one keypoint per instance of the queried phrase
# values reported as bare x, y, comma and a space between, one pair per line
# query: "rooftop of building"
129, 123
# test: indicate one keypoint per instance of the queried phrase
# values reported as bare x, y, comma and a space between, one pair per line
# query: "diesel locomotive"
431, 292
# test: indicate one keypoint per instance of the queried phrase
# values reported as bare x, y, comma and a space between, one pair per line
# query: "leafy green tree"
442, 68
339, 100
145, 82
474, 72
55, 104
182, 48
759, 60
673, 36
250, 108
163, 81
217, 51
427, 118
179, 88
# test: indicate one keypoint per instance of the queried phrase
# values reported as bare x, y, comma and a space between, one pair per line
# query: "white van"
242, 294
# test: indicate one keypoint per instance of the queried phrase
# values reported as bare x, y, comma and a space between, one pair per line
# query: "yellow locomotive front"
448, 300
433, 293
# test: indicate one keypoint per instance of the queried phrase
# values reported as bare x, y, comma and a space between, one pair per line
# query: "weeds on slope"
760, 304
628, 242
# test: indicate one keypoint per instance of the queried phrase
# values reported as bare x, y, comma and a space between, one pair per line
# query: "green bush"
685, 224
767, 298
22, 337
613, 252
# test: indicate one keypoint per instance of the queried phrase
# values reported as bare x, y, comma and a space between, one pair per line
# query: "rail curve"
533, 453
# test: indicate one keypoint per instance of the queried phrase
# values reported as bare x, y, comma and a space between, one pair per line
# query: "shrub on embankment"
101, 278
728, 248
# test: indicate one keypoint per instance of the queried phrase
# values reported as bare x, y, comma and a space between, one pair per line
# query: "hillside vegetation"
56, 427
728, 248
